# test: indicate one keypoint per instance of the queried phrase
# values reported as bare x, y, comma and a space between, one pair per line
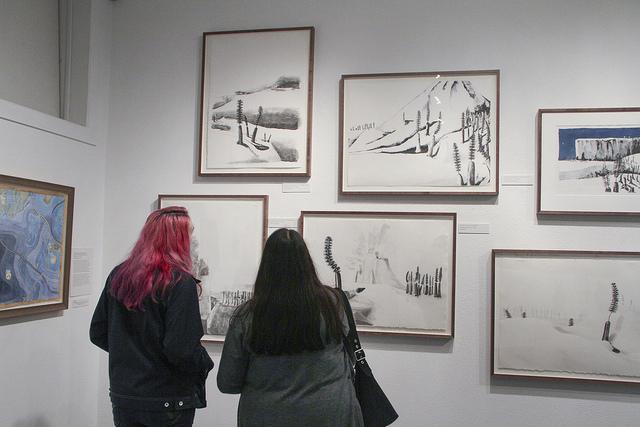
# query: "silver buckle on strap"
359, 356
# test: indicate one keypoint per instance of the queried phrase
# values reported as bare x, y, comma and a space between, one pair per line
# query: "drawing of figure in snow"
365, 272
372, 265
374, 282
366, 257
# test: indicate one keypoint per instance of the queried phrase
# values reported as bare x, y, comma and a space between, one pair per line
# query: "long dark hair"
289, 302
162, 249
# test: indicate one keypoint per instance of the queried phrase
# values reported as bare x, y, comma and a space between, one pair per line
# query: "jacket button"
180, 403
166, 404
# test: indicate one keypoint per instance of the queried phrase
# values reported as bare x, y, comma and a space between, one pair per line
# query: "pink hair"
162, 250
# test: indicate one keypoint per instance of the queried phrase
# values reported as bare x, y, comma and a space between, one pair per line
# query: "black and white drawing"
256, 93
567, 314
589, 161
420, 133
397, 269
226, 245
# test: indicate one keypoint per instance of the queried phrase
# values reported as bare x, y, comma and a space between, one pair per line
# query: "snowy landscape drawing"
32, 247
398, 271
255, 117
589, 161
598, 160
419, 133
226, 246
567, 316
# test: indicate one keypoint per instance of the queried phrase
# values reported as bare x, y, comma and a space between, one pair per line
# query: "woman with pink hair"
148, 320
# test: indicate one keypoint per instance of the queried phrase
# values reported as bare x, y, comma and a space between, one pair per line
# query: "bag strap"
351, 340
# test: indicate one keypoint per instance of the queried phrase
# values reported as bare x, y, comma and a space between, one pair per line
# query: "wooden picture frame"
565, 315
420, 133
256, 121
386, 260
36, 225
229, 234
588, 161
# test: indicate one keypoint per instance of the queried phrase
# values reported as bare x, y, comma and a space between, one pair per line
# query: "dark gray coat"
312, 389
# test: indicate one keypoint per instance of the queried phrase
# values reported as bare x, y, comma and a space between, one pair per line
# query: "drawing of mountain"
448, 110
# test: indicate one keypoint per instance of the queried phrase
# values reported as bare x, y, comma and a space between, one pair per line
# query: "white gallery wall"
574, 53
48, 369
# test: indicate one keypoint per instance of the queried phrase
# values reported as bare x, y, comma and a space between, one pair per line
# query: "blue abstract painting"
32, 243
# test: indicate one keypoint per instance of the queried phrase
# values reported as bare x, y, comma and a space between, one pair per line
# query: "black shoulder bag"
377, 411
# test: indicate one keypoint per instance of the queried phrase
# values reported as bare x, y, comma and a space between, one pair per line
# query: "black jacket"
156, 361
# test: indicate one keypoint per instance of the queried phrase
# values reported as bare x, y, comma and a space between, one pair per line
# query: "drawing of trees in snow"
614, 160
418, 284
441, 134
255, 119
569, 315
396, 269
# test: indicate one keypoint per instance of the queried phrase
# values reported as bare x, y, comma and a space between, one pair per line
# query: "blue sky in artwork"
567, 138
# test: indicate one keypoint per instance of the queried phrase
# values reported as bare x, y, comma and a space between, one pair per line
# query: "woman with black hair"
283, 351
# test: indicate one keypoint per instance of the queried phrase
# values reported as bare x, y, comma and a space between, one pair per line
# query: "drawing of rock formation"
606, 149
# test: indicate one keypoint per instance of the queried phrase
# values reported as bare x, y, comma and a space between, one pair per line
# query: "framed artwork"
589, 161
36, 220
397, 268
229, 233
570, 315
256, 99
419, 133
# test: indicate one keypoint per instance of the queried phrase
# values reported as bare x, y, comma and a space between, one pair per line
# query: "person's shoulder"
112, 274
184, 279
243, 312
333, 294
114, 270
183, 283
